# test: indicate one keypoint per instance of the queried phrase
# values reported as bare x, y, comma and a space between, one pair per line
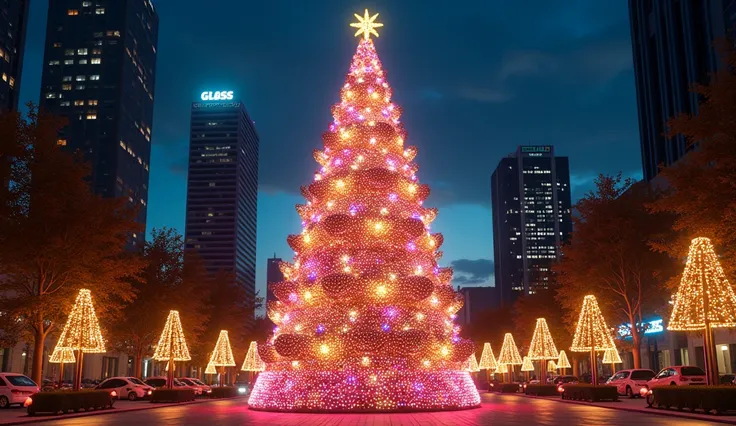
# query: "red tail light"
113, 394
28, 402
683, 379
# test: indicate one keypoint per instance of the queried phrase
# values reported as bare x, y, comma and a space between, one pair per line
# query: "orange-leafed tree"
610, 256
56, 236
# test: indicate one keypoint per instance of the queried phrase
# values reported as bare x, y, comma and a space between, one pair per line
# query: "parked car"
126, 387
15, 389
561, 380
727, 379
201, 388
680, 375
630, 382
161, 381
586, 378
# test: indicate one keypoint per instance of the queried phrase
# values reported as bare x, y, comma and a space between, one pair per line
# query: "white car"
15, 389
161, 382
201, 388
126, 387
631, 382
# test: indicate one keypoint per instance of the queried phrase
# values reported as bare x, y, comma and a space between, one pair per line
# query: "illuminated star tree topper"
487, 359
366, 25
171, 344
703, 276
542, 346
222, 356
252, 360
509, 354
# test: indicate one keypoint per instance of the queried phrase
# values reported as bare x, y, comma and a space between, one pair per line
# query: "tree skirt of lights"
363, 391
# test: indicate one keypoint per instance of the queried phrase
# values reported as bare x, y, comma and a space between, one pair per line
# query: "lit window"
99, 34
61, 142
69, 62
92, 116
66, 87
12, 82
92, 102
5, 77
96, 51
94, 77
81, 87
53, 63
100, 11
57, 44
96, 61
72, 12
64, 103
81, 78
86, 3
82, 62
78, 103
51, 96
82, 51
69, 52
66, 78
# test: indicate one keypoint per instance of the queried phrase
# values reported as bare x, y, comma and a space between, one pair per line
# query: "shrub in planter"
172, 395
67, 402
224, 392
506, 387
541, 390
707, 398
586, 392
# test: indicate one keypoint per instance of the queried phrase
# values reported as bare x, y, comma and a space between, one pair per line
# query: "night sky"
475, 81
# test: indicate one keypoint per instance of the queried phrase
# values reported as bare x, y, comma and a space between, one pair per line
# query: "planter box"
67, 402
585, 392
541, 390
224, 392
172, 395
706, 398
506, 388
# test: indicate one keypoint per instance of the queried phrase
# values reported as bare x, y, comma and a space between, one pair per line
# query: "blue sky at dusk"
474, 81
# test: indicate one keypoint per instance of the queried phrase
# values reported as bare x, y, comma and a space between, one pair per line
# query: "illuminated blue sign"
650, 327
223, 95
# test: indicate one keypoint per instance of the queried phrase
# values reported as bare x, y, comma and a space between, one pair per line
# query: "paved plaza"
496, 410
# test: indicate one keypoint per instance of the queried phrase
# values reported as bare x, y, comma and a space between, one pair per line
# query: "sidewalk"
639, 405
19, 416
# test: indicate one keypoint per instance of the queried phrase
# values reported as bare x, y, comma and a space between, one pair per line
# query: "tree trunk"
38, 342
138, 367
636, 351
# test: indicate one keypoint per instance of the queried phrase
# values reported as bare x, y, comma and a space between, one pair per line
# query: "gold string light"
222, 356
611, 356
171, 344
591, 332
253, 361
62, 356
527, 365
551, 366
703, 278
487, 359
542, 346
210, 369
471, 365
82, 329
509, 354
562, 361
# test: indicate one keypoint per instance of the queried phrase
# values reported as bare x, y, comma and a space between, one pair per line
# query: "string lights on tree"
611, 356
551, 366
365, 317
562, 362
592, 334
704, 300
62, 356
253, 361
222, 355
81, 332
172, 346
542, 347
509, 354
527, 366
471, 365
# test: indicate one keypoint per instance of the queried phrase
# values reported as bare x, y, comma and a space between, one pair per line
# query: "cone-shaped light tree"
253, 361
364, 305
592, 334
704, 300
562, 362
542, 347
222, 355
509, 354
172, 346
81, 332
527, 366
611, 356
551, 366
487, 359
471, 364
62, 356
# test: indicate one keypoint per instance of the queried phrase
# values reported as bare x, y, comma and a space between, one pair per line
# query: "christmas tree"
562, 362
509, 355
171, 345
592, 334
82, 332
542, 346
551, 366
365, 318
62, 356
527, 366
487, 359
705, 299
471, 365
252, 360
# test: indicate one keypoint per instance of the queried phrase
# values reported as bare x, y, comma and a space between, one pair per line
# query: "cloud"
526, 62
484, 95
469, 271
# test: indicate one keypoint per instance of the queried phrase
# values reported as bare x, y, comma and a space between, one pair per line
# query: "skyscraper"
530, 193
673, 48
222, 190
99, 72
273, 275
13, 19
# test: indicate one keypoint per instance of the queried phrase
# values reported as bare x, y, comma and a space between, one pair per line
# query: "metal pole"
711, 366
61, 374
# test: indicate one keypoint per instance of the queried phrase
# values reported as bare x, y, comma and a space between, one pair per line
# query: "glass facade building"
222, 190
13, 22
99, 73
530, 195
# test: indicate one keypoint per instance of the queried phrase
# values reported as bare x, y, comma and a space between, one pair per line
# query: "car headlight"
113, 394
28, 402
241, 390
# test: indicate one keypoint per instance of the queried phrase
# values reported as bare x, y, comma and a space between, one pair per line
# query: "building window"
100, 11
96, 61
69, 62
57, 44
99, 34
81, 78
82, 62
94, 77
52, 63
66, 87
81, 87
92, 116
51, 96
69, 52
86, 3
113, 33
78, 103
64, 103
72, 12
5, 77
61, 142
97, 51
66, 78
82, 51
92, 102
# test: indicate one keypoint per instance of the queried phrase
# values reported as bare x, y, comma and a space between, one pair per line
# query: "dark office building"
13, 19
99, 72
477, 300
222, 191
273, 275
530, 194
673, 48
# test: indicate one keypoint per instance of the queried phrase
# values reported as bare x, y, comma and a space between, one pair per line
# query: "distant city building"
273, 275
673, 48
99, 72
477, 300
13, 23
222, 189
530, 194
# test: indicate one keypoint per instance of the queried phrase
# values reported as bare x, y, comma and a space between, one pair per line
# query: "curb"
151, 406
667, 413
